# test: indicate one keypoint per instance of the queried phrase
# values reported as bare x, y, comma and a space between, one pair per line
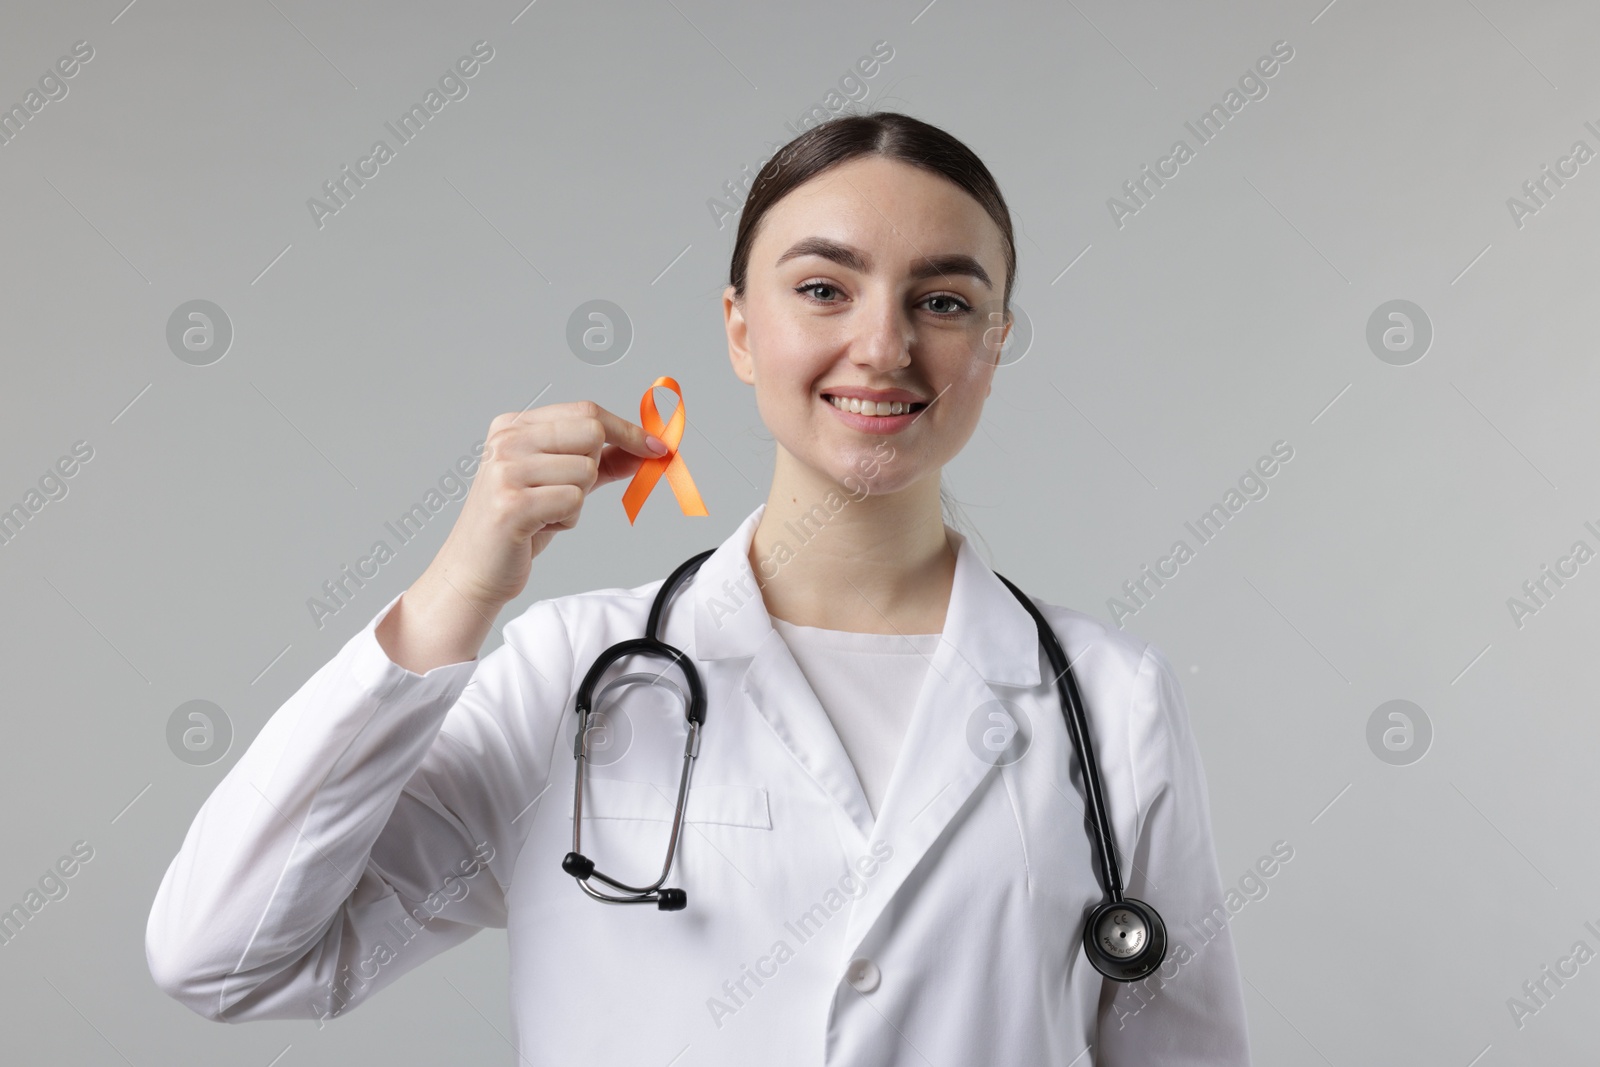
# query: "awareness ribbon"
671, 464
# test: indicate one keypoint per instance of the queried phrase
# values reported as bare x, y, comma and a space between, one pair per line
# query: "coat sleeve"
371, 824
1190, 1012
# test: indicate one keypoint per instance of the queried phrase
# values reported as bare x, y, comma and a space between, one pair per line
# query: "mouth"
871, 410
899, 416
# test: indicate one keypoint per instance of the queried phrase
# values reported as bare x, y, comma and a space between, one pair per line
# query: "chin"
870, 477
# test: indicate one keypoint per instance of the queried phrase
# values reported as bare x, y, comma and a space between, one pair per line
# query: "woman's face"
874, 275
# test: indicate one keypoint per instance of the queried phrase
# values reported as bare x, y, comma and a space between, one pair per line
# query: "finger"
548, 468
617, 463
627, 435
550, 505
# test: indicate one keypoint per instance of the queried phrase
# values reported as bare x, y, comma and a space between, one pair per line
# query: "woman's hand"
538, 468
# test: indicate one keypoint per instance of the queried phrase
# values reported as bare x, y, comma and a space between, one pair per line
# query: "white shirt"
867, 683
381, 816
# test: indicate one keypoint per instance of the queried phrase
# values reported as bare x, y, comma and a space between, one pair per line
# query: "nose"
884, 336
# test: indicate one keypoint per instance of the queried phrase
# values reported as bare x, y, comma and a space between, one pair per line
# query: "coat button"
862, 975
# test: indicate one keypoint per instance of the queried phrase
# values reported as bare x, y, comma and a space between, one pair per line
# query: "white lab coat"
948, 932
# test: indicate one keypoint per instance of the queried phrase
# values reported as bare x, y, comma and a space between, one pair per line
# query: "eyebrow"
922, 267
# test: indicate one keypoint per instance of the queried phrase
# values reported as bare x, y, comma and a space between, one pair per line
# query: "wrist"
434, 625
445, 591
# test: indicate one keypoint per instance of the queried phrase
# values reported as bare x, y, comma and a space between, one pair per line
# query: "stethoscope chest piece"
1125, 939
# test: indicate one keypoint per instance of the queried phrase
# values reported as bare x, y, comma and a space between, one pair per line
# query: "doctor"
884, 849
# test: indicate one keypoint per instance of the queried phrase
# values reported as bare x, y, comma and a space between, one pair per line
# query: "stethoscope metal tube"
1124, 939
583, 868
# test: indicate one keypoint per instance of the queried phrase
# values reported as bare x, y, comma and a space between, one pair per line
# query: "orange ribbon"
671, 464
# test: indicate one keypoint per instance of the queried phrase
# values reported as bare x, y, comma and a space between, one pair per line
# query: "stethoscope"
1124, 938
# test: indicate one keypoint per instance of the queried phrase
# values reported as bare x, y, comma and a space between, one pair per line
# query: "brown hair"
885, 133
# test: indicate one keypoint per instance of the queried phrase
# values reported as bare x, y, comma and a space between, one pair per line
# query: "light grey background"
1229, 313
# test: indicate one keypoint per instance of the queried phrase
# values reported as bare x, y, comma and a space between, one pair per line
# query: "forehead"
894, 211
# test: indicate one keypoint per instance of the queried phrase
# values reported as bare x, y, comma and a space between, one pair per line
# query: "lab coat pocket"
731, 805
627, 824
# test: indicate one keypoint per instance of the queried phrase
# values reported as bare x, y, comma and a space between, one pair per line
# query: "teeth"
867, 407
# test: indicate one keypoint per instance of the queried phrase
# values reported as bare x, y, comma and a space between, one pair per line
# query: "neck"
881, 563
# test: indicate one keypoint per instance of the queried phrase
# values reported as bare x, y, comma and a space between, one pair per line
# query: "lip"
873, 424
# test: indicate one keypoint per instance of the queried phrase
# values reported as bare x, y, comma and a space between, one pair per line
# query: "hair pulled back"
886, 133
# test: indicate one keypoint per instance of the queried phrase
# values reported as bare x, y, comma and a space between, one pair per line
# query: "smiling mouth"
874, 408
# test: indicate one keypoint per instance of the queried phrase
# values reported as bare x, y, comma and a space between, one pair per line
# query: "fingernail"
655, 444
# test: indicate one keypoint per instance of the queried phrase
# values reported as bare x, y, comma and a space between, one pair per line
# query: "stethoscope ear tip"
577, 865
672, 900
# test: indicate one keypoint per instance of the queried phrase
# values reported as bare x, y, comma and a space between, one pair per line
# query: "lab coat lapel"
989, 643
775, 688
731, 621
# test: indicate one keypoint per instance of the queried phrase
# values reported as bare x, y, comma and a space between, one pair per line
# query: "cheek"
970, 378
782, 384
966, 389
788, 366
783, 397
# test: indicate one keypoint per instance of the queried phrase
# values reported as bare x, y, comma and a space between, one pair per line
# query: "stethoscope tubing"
1078, 729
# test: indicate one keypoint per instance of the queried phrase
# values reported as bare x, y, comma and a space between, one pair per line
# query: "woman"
883, 852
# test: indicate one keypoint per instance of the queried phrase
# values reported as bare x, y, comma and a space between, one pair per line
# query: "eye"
961, 306
809, 286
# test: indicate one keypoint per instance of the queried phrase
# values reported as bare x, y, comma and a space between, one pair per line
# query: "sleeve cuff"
371, 666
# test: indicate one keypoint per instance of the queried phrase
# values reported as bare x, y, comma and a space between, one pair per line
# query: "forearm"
283, 841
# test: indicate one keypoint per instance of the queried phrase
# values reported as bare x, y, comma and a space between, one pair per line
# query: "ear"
990, 345
738, 338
